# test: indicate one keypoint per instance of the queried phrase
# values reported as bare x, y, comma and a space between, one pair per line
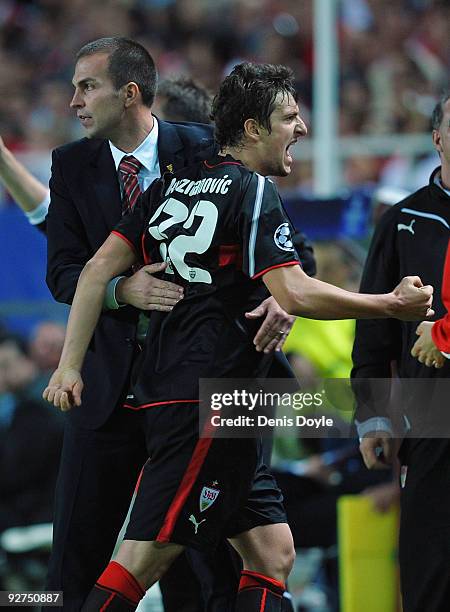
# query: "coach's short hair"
249, 92
127, 61
438, 112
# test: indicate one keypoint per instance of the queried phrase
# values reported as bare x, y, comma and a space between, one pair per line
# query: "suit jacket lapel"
103, 177
170, 148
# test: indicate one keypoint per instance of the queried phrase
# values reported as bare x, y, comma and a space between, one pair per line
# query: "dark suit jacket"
85, 206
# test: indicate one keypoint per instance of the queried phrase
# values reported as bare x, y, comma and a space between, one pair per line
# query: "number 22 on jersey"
175, 250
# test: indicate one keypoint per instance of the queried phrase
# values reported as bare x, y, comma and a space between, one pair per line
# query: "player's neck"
445, 176
245, 155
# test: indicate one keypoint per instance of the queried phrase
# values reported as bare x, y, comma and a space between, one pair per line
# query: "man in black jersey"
412, 235
219, 226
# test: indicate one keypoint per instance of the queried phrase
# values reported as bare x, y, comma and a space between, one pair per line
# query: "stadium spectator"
29, 193
412, 235
182, 100
30, 442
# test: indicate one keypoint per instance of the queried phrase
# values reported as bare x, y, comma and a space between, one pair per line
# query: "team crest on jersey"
282, 237
207, 497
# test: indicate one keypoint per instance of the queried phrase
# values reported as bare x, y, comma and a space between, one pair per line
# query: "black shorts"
197, 491
425, 526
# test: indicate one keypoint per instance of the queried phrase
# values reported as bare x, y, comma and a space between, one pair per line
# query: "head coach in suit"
91, 187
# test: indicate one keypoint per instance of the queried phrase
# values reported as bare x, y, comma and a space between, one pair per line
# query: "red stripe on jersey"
107, 602
440, 332
225, 163
125, 239
230, 253
142, 406
189, 478
263, 601
145, 255
287, 263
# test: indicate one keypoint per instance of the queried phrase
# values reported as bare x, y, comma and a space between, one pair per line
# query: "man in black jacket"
412, 236
104, 448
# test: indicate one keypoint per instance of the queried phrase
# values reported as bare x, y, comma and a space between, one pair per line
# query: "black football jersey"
219, 227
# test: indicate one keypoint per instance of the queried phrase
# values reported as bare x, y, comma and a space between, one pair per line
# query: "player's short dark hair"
249, 92
128, 61
185, 100
438, 112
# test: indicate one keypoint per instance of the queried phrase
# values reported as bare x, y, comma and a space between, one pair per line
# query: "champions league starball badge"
282, 237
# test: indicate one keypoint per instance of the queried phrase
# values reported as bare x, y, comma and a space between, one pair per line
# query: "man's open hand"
64, 389
146, 292
275, 328
424, 348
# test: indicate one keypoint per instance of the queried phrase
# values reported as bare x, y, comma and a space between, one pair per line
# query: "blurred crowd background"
394, 62
394, 58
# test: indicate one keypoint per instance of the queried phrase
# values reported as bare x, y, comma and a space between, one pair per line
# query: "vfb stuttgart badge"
207, 497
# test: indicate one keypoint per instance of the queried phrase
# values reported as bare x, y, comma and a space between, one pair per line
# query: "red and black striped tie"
129, 169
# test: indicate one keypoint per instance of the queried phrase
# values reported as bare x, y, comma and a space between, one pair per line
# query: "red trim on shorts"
125, 239
188, 481
225, 163
230, 253
248, 580
142, 406
138, 482
287, 263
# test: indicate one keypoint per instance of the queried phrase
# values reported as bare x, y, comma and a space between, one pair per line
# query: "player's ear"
252, 129
436, 135
131, 93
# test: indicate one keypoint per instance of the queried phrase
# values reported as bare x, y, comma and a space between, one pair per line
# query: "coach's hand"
64, 389
275, 328
146, 292
378, 450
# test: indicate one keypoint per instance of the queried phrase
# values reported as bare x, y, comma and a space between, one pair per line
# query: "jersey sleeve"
265, 232
440, 331
131, 227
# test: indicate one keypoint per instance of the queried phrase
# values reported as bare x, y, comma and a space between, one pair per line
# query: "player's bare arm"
27, 191
424, 348
114, 257
301, 295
